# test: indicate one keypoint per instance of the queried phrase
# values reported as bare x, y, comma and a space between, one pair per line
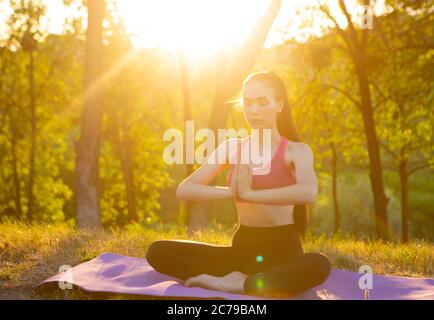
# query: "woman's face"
259, 105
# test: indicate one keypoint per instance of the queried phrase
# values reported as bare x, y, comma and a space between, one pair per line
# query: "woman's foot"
232, 282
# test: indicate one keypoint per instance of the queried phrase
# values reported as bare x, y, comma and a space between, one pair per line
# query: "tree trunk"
227, 84
376, 172
128, 171
198, 219
242, 66
335, 188
190, 208
30, 195
403, 177
123, 145
88, 147
356, 48
16, 178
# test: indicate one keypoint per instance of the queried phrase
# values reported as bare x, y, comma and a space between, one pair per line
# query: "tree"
185, 88
88, 146
403, 85
228, 83
28, 16
35, 69
355, 44
132, 171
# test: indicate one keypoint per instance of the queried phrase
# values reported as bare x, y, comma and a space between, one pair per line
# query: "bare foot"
203, 281
232, 282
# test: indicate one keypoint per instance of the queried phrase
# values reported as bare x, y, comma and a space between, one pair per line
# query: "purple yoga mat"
115, 273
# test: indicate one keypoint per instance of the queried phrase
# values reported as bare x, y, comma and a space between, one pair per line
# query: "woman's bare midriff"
264, 215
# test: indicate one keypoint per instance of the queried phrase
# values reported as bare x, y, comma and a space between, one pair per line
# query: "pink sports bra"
279, 175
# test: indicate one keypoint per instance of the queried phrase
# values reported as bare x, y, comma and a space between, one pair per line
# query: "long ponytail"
286, 126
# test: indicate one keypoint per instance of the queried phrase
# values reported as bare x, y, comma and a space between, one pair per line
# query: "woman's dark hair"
286, 127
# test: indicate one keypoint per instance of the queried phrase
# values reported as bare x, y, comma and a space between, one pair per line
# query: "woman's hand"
244, 179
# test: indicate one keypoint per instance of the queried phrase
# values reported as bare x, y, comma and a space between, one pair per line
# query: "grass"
29, 254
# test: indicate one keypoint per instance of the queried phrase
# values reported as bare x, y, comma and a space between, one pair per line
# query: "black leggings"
272, 257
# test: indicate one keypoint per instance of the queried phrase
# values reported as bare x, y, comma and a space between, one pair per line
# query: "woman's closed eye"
261, 102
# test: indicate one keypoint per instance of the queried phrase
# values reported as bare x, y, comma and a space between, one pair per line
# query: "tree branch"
385, 147
417, 168
341, 32
348, 95
351, 29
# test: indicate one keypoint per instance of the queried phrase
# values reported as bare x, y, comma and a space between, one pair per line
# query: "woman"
266, 257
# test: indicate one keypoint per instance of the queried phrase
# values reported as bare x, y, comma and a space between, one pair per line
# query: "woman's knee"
156, 251
321, 264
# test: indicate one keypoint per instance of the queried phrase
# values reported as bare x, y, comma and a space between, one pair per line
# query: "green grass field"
29, 254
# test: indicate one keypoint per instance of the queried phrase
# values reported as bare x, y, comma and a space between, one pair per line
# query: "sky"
196, 25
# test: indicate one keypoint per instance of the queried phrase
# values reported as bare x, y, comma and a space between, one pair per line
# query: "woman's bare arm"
196, 188
305, 191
